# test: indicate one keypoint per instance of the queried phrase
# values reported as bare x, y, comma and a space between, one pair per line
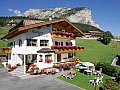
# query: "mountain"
75, 15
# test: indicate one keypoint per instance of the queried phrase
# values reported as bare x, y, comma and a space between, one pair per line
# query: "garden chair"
94, 82
64, 74
72, 72
70, 77
100, 78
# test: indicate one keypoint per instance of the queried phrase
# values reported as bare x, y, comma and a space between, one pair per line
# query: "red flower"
48, 61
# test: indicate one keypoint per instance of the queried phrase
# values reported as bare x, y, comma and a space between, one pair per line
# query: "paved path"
43, 82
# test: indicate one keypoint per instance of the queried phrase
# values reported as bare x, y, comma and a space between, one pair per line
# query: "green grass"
81, 80
95, 51
3, 31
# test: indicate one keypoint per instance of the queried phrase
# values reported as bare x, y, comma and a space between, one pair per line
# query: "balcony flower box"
48, 61
75, 47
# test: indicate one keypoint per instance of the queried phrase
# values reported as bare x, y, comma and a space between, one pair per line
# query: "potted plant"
48, 61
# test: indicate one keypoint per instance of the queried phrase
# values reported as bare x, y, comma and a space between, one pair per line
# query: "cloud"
17, 12
10, 9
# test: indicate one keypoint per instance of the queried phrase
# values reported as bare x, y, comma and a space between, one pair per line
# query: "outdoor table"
82, 68
88, 72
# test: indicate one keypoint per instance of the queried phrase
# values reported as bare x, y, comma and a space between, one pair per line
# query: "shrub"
111, 85
109, 70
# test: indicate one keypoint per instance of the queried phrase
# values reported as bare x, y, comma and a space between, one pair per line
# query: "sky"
105, 12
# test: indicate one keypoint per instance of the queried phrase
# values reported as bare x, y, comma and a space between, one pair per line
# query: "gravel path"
43, 82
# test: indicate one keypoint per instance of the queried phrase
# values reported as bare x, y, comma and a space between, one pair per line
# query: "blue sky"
105, 12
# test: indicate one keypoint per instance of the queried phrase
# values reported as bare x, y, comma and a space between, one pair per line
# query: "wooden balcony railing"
6, 50
63, 35
69, 61
65, 49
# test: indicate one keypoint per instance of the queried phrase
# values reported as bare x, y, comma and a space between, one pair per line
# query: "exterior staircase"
19, 72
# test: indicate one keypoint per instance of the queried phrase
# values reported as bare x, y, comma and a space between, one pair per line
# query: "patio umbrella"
87, 64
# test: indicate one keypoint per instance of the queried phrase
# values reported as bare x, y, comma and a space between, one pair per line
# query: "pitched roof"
25, 25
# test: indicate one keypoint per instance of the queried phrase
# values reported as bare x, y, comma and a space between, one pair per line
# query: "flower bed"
64, 65
10, 67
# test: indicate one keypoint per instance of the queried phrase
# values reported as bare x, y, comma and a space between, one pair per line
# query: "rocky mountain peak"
75, 15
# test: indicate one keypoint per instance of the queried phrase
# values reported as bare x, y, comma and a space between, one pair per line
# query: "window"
56, 43
34, 58
68, 43
41, 59
43, 42
31, 42
48, 56
61, 43
20, 43
70, 55
14, 44
9, 56
10, 44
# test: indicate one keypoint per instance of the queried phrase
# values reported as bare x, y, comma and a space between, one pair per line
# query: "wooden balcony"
67, 49
63, 35
7, 50
68, 61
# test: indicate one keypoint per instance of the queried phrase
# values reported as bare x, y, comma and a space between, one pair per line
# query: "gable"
62, 24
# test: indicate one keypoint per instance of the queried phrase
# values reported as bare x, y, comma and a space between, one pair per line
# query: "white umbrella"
87, 64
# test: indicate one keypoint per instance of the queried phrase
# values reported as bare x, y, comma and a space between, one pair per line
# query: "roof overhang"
62, 24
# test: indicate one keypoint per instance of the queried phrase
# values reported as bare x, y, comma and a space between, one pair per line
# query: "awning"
45, 50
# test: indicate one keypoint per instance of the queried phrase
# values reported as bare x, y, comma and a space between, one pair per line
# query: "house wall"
43, 64
40, 34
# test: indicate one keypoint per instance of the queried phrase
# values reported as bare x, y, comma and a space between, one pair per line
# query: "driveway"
42, 82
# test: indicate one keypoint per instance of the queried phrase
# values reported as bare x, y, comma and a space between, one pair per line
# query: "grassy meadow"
95, 51
3, 31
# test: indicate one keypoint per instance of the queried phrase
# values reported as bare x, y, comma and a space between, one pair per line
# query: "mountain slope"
86, 28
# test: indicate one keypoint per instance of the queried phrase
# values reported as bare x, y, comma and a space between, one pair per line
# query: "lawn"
95, 51
3, 31
81, 80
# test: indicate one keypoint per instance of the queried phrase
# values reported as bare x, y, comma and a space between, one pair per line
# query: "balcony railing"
62, 49
6, 50
72, 61
63, 35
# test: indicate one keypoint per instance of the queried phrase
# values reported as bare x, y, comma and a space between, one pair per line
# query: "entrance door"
58, 57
